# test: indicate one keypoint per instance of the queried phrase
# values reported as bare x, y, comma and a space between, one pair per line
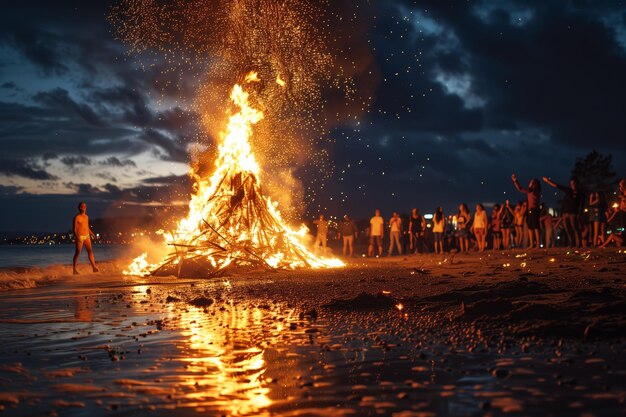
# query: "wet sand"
505, 333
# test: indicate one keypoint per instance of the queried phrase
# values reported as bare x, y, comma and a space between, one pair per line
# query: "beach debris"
365, 301
201, 302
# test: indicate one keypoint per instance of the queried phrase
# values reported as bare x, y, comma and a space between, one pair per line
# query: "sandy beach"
498, 333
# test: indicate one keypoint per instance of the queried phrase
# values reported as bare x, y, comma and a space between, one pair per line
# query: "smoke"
314, 71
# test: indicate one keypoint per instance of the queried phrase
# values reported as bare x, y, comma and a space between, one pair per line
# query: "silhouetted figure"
572, 202
322, 233
479, 227
417, 226
462, 222
439, 224
377, 224
395, 230
348, 232
533, 197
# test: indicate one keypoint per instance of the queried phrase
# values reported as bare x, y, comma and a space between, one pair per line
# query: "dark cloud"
559, 68
10, 85
10, 189
114, 161
175, 151
106, 176
41, 48
83, 188
60, 100
129, 105
23, 168
113, 190
74, 160
167, 180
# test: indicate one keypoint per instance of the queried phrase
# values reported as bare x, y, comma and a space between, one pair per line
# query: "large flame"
229, 220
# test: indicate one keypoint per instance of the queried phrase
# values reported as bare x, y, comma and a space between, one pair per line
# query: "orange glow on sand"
230, 222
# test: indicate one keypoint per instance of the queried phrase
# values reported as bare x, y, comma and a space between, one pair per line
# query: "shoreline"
514, 333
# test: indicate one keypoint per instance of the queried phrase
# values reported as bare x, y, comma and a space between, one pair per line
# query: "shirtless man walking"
83, 235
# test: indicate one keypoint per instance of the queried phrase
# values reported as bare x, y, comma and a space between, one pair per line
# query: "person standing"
533, 196
598, 207
572, 202
439, 224
395, 230
480, 227
417, 226
348, 232
377, 224
508, 219
548, 227
322, 233
83, 236
519, 214
462, 221
496, 226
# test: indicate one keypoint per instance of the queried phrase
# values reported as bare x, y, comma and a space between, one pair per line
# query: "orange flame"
278, 245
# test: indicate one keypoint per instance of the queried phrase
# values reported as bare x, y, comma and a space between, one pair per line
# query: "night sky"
460, 95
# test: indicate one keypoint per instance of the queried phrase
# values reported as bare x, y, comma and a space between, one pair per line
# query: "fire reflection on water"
224, 349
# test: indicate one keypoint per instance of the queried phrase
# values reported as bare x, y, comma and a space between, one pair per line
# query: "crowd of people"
586, 220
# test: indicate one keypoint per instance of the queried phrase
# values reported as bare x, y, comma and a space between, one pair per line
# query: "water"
46, 255
82, 350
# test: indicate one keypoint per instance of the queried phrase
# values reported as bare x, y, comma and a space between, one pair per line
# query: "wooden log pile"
239, 231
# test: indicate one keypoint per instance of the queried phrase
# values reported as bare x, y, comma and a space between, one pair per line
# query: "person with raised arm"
533, 196
572, 202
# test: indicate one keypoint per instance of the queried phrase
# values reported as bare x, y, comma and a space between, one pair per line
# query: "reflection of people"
83, 310
83, 235
395, 229
376, 234
322, 233
348, 232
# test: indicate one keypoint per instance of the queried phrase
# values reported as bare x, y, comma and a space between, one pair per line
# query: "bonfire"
231, 223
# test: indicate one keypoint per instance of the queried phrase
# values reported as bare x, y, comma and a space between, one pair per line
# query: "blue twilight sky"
461, 94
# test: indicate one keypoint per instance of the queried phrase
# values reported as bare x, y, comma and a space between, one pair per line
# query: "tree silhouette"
595, 172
